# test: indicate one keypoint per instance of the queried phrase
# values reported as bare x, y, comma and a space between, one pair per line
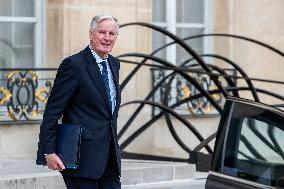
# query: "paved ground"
16, 174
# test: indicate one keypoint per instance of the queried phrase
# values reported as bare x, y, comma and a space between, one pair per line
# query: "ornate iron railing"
181, 89
24, 93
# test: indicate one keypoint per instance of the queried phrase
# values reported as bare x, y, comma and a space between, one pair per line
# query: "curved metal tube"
216, 68
180, 71
168, 120
182, 44
238, 68
133, 116
168, 110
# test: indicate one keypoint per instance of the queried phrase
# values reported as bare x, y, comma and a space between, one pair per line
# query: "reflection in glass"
159, 11
255, 145
261, 133
17, 45
15, 8
190, 11
195, 44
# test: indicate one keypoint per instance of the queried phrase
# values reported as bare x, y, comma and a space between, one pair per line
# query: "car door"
249, 147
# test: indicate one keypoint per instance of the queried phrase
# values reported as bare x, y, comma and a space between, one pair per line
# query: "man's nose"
107, 36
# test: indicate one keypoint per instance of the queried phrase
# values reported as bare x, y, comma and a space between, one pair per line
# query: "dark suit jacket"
79, 95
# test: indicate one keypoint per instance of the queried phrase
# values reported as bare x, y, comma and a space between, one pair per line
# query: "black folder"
68, 144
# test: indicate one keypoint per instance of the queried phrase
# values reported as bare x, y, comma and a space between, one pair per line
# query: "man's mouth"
105, 44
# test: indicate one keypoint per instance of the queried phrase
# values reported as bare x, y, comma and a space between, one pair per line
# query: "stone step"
176, 184
24, 174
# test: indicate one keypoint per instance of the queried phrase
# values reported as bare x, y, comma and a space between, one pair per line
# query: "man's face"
103, 37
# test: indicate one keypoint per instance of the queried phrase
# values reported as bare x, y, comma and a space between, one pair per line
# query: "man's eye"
102, 32
111, 33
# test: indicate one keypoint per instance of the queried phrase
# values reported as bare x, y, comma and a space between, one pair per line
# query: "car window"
255, 145
261, 141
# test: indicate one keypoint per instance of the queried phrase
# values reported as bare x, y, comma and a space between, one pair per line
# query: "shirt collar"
97, 57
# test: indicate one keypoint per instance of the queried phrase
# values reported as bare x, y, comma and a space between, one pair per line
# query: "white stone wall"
261, 20
18, 141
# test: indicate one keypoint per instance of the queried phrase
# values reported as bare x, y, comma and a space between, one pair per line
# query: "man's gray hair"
101, 17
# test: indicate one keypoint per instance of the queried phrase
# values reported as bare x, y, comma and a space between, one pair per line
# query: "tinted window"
255, 145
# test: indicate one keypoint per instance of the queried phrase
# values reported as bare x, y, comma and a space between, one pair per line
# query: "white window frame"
171, 26
39, 37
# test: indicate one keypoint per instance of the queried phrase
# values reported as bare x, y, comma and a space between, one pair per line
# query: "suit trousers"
109, 180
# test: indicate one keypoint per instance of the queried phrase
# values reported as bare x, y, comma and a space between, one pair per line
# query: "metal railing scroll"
24, 93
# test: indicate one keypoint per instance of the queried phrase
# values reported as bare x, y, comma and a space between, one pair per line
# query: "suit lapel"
95, 74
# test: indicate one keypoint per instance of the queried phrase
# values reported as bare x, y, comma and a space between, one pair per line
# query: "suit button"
109, 138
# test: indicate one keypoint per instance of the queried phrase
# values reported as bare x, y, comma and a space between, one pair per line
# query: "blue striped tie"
106, 81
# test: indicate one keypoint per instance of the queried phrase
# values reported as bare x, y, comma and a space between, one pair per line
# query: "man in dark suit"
86, 92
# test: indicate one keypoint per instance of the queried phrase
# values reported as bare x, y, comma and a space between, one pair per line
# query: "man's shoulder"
76, 59
80, 56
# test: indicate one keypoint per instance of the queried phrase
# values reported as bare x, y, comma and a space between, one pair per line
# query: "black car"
249, 147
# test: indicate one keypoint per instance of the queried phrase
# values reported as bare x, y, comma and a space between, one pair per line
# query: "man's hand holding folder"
67, 153
54, 162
